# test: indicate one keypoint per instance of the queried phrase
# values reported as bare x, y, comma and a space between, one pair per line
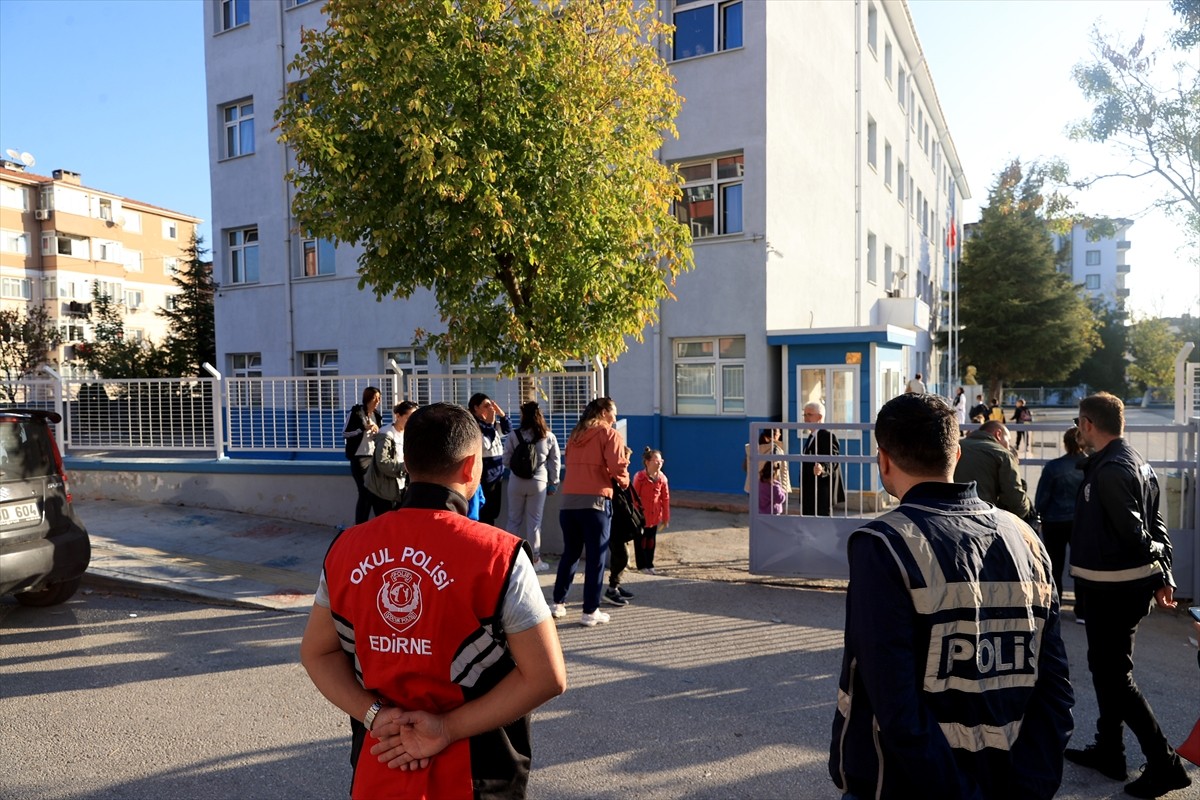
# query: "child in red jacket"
651, 487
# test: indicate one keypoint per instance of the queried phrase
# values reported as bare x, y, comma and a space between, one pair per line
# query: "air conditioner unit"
42, 213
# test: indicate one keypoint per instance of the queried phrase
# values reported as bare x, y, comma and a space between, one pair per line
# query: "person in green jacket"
988, 460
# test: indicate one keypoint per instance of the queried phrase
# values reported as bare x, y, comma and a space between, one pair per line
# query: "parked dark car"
44, 548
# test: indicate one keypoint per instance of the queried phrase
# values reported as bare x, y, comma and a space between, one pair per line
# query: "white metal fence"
285, 414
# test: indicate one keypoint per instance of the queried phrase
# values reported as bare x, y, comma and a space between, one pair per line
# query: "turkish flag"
952, 236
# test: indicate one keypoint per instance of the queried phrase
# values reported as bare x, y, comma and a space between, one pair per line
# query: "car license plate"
19, 513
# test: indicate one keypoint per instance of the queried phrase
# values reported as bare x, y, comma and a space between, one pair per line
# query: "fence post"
59, 404
397, 380
218, 424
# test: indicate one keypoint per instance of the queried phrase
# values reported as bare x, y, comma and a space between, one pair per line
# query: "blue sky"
114, 90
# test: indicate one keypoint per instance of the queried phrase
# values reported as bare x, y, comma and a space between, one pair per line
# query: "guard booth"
852, 372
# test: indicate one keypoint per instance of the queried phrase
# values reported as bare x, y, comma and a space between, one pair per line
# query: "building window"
234, 13
71, 333
108, 251
110, 289
170, 265
62, 245
239, 128
132, 221
316, 258
1092, 281
887, 60
872, 27
704, 26
887, 266
12, 196
413, 361
1092, 258
712, 196
900, 178
106, 211
887, 163
243, 255
170, 229
710, 375
242, 366
169, 303
872, 142
14, 242
323, 364
872, 267
462, 389
15, 288
133, 299
132, 260
901, 77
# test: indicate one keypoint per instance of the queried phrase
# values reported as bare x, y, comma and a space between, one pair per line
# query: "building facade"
60, 239
1098, 266
820, 179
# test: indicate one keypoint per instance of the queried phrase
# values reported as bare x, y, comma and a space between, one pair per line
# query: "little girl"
771, 494
651, 487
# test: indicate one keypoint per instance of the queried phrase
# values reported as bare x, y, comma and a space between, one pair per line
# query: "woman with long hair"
531, 477
595, 458
362, 423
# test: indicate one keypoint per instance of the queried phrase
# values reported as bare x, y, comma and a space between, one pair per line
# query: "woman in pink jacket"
595, 458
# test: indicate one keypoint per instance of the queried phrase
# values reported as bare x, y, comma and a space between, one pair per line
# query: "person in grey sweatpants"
527, 496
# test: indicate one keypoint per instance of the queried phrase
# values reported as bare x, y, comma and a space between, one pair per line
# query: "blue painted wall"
702, 454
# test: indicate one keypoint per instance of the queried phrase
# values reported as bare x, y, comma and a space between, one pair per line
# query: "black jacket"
1119, 534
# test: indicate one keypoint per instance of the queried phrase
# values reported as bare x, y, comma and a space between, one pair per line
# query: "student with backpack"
651, 487
532, 457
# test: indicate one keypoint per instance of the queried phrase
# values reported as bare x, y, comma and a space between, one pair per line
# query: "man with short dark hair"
979, 410
988, 460
954, 676
430, 630
1121, 562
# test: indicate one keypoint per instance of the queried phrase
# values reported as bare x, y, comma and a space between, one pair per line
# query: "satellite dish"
13, 154
27, 159
120, 220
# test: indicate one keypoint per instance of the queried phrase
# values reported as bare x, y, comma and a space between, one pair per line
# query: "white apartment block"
820, 182
59, 239
1098, 266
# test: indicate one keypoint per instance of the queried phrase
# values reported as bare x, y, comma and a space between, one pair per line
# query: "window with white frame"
169, 303
132, 259
1092, 258
887, 60
710, 375
321, 364
901, 77
108, 251
900, 179
133, 221
413, 361
234, 13
243, 255
872, 27
239, 128
461, 390
294, 3
872, 267
712, 196
887, 266
170, 265
872, 142
133, 299
13, 196
316, 258
16, 288
1092, 281
66, 289
243, 366
887, 163
106, 209
110, 289
706, 26
170, 229
14, 242
62, 244
72, 332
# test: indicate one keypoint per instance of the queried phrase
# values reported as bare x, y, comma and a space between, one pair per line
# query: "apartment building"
1099, 266
820, 181
60, 238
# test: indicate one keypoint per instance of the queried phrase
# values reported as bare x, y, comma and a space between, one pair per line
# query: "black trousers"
1056, 535
643, 547
618, 560
1113, 615
358, 471
491, 501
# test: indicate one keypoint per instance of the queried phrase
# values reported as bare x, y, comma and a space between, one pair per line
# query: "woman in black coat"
361, 426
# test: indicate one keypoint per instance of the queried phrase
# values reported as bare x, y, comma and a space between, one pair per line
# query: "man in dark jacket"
1121, 562
987, 460
954, 676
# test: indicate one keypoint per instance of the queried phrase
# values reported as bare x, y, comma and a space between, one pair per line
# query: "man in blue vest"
954, 676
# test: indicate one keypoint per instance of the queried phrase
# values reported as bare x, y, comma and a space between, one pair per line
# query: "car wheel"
52, 595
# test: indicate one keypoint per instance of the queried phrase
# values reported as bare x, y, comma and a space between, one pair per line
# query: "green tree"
110, 354
1152, 350
1188, 35
1105, 368
27, 338
1022, 318
1153, 124
501, 153
191, 337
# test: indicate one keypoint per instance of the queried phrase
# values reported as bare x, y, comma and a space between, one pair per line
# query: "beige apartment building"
59, 238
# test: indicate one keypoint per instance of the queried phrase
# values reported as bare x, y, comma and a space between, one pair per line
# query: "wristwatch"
371, 714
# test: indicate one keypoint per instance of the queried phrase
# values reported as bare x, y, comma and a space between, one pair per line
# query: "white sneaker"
540, 566
597, 617
559, 610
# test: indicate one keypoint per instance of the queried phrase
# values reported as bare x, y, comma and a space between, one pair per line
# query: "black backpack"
524, 458
628, 519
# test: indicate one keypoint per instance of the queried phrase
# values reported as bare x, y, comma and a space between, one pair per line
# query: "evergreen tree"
27, 338
191, 336
110, 354
1022, 318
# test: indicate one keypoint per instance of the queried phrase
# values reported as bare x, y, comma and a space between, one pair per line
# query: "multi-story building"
820, 181
59, 240
1099, 266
